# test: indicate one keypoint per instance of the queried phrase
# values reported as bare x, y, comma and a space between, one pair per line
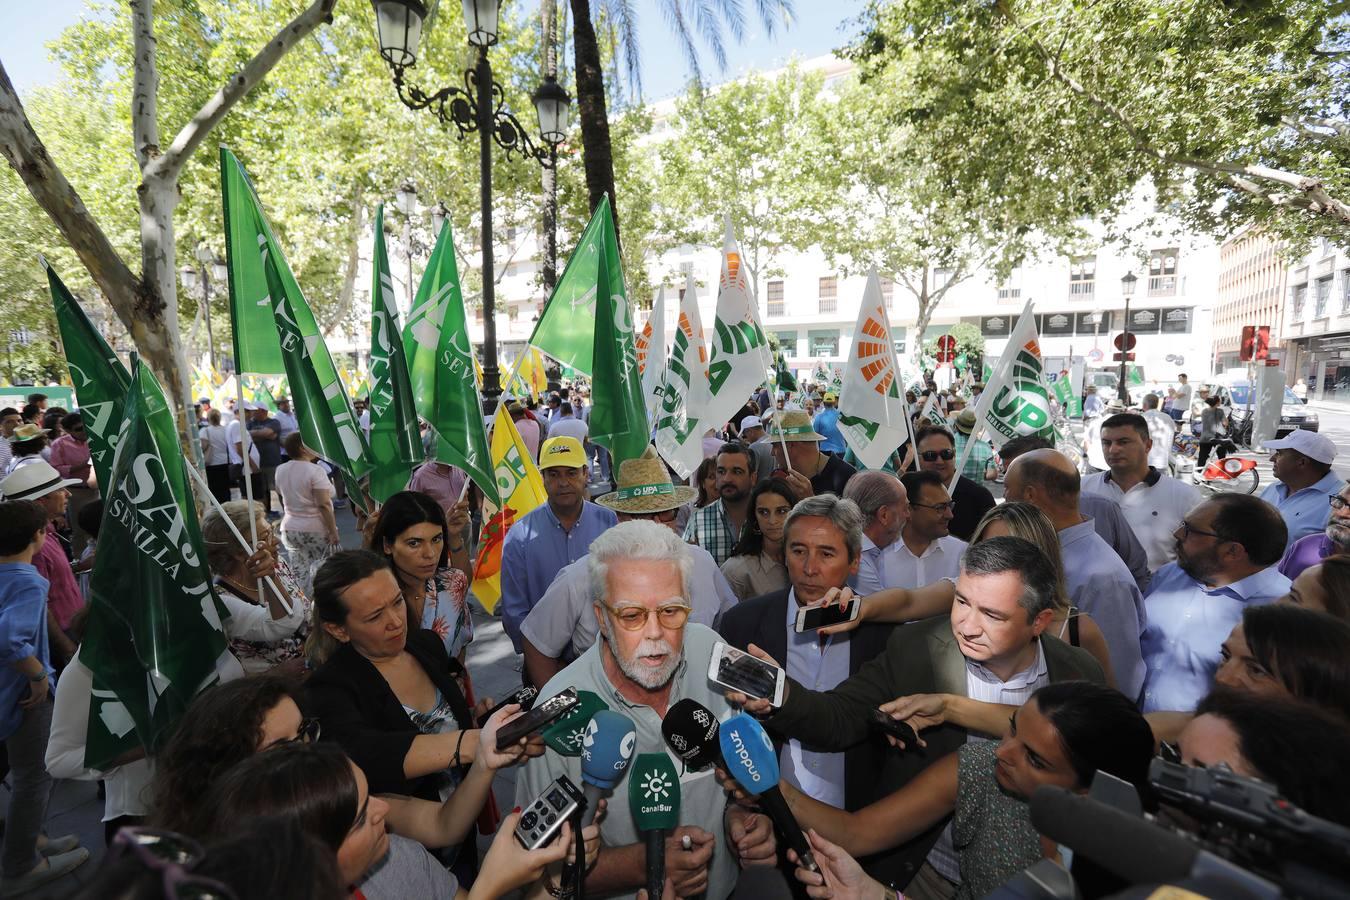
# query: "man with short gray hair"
885, 508
649, 657
822, 539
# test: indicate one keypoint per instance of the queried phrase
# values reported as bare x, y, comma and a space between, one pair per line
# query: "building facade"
1316, 329
1252, 287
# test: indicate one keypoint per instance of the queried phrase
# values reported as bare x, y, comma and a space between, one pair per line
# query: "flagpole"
206, 489
246, 446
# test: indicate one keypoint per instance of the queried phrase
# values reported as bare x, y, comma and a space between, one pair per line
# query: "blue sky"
25, 28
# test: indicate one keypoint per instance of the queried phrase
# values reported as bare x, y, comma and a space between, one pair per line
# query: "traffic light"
1255, 343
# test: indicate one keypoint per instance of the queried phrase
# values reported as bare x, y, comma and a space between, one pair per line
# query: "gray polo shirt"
565, 614
702, 801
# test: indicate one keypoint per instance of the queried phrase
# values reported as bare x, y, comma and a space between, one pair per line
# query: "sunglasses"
633, 618
935, 455
173, 856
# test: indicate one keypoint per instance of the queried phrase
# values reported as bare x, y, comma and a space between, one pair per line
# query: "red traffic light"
1255, 343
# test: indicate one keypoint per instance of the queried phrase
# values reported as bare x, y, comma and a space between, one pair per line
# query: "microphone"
605, 752
691, 730
654, 801
564, 736
750, 759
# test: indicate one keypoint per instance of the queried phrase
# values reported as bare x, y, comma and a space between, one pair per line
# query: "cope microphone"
691, 730
654, 801
606, 750
750, 759
566, 735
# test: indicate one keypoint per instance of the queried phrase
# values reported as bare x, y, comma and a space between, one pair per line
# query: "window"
887, 292
512, 312
1162, 273
1321, 296
686, 270
1345, 291
829, 296
1300, 298
1008, 294
824, 343
1082, 276
478, 315
787, 343
775, 298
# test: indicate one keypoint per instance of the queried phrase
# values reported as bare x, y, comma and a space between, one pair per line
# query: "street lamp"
1126, 291
198, 284
479, 106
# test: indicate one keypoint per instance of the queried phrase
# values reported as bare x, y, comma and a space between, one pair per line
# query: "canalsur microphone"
691, 729
750, 759
606, 750
564, 736
654, 802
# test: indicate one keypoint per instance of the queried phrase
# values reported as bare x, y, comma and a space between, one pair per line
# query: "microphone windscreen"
607, 748
749, 754
691, 729
566, 735
1125, 845
654, 792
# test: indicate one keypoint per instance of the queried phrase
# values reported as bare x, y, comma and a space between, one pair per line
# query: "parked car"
1233, 397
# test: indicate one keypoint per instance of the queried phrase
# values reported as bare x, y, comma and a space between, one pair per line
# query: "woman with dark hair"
1324, 587
322, 791
1280, 650
1061, 736
430, 558
755, 566
705, 479
1299, 748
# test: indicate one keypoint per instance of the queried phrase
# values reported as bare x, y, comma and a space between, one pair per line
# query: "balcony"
1162, 285
1082, 288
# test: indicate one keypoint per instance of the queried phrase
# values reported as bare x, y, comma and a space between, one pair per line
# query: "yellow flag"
530, 371
478, 373
521, 488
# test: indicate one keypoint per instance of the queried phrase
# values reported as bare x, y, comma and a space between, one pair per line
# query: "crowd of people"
1082, 624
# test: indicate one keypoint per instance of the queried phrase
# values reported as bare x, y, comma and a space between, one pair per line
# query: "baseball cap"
1309, 443
831, 398
562, 451
751, 422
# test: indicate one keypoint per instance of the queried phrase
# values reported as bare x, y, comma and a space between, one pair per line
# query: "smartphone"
742, 672
524, 695
811, 617
895, 728
542, 819
541, 715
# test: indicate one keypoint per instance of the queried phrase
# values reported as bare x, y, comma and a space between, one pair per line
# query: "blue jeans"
32, 788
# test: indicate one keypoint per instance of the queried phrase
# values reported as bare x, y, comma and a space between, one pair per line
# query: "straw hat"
26, 432
793, 425
965, 423
644, 486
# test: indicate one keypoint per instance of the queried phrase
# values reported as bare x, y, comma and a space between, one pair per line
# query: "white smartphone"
812, 617
742, 672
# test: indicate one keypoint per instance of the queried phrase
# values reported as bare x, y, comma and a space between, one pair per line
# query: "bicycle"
1230, 475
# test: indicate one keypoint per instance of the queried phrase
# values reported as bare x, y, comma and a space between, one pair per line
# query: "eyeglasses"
172, 855
935, 455
1338, 502
1187, 529
633, 618
949, 506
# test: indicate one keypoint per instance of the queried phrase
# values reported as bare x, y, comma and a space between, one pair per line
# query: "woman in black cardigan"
388, 694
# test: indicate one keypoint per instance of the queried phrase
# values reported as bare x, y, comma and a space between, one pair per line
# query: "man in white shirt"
568, 425
1153, 503
925, 552
1181, 399
286, 417
1161, 430
885, 508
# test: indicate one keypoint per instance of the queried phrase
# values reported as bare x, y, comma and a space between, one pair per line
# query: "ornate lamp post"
1126, 291
198, 284
479, 106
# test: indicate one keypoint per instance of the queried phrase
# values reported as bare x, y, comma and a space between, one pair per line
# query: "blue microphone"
751, 760
606, 751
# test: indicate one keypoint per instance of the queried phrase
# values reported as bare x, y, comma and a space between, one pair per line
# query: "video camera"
1217, 833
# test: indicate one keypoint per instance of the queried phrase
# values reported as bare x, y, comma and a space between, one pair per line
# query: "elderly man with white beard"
650, 656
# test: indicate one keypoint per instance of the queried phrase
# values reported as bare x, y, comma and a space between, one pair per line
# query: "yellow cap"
562, 451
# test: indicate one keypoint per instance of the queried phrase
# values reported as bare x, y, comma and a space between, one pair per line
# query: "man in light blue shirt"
885, 507
1302, 463
826, 424
1098, 582
1226, 551
549, 537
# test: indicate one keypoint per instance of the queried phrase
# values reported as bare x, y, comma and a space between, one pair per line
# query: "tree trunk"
595, 143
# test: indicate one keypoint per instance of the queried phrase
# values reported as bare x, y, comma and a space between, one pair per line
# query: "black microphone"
691, 729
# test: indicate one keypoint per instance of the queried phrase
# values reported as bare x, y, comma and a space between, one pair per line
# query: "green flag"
154, 632
1069, 402
590, 305
440, 368
395, 444
101, 381
260, 279
1134, 376
783, 378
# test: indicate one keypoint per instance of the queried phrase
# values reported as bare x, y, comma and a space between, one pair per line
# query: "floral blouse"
445, 610
256, 639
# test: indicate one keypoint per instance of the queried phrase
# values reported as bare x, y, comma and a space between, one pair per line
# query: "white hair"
637, 540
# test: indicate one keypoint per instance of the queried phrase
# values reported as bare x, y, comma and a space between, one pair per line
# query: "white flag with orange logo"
740, 358
872, 414
683, 390
651, 355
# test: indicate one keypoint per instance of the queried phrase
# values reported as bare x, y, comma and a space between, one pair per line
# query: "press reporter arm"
509, 866
889, 822
434, 752
538, 665
897, 605
921, 711
624, 869
840, 877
